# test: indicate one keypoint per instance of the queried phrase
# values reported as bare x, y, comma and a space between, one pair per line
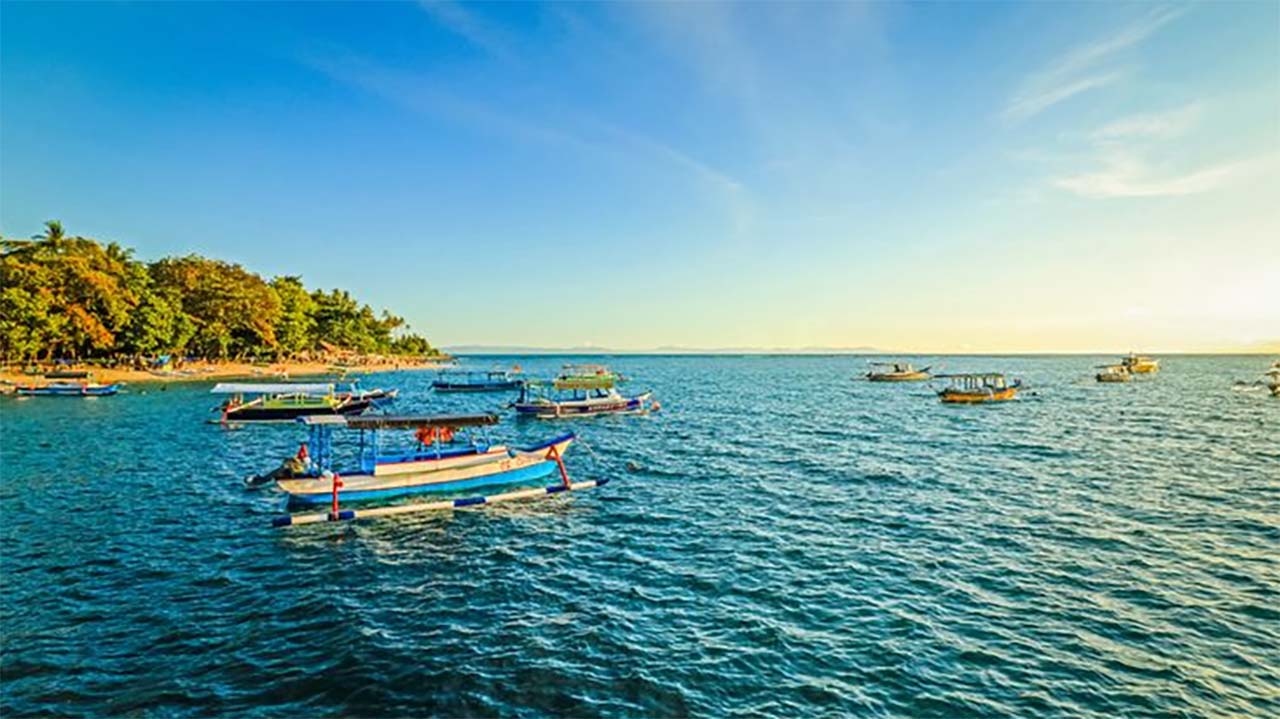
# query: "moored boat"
580, 395
452, 380
449, 453
978, 388
1113, 373
284, 402
67, 389
897, 372
1139, 364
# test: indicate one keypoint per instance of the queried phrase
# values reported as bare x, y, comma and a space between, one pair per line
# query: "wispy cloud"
466, 24
1152, 126
580, 132
1122, 150
1083, 68
1124, 176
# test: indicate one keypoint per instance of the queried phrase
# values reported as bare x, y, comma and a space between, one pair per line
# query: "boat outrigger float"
449, 455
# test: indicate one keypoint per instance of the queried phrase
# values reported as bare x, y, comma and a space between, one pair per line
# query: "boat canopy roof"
595, 382
271, 388
974, 375
405, 421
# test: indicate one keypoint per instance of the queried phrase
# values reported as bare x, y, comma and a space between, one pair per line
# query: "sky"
942, 177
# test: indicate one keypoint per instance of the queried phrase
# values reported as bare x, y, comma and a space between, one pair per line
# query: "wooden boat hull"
899, 377
953, 396
504, 386
1111, 378
67, 390
252, 413
551, 409
490, 469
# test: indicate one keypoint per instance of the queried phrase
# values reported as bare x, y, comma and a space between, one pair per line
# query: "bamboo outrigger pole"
289, 520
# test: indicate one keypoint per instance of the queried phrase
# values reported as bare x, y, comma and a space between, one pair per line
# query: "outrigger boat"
1138, 364
579, 396
448, 455
285, 402
67, 389
476, 381
897, 372
978, 388
1113, 373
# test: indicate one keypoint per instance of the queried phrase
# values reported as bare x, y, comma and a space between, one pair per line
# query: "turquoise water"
780, 540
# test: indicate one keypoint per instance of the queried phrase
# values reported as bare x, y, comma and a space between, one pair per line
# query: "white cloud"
1156, 125
1131, 177
1080, 69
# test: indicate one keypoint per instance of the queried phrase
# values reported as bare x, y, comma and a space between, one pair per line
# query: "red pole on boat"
337, 482
554, 453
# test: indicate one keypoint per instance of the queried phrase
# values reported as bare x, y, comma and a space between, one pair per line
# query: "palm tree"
52, 232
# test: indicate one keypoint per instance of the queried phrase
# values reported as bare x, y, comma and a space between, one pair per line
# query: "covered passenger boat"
897, 372
287, 401
978, 388
445, 453
579, 396
452, 380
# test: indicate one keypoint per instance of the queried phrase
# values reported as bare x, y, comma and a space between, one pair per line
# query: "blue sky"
926, 177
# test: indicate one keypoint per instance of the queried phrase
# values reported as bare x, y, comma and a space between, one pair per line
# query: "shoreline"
213, 371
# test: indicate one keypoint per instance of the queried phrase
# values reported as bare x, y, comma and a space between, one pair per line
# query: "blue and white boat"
450, 453
67, 389
580, 395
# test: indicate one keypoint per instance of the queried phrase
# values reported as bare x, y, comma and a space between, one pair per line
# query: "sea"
782, 538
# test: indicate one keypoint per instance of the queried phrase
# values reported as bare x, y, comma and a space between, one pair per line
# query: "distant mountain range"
664, 350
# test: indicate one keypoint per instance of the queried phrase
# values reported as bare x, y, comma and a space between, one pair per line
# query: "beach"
203, 371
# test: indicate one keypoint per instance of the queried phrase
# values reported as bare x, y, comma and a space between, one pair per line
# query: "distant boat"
1273, 378
67, 389
1138, 364
897, 372
1114, 373
978, 388
283, 401
452, 380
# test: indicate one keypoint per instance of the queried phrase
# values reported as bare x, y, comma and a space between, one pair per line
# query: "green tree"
295, 331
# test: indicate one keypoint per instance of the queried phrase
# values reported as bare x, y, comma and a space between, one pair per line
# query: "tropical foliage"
73, 297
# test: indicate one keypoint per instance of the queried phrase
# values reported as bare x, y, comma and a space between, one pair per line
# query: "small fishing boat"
452, 380
1138, 364
1114, 373
68, 374
285, 402
67, 389
448, 453
978, 388
897, 372
579, 395
1272, 379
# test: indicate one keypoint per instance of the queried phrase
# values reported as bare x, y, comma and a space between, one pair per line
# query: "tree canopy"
69, 296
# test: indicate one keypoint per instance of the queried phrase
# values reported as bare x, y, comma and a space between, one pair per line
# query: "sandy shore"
206, 371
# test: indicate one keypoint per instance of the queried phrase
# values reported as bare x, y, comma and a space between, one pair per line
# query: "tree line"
76, 298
